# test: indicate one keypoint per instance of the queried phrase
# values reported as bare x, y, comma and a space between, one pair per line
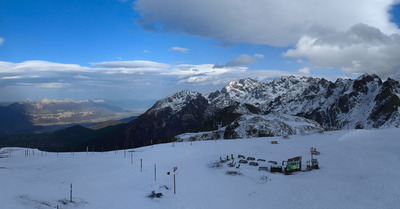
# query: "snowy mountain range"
363, 103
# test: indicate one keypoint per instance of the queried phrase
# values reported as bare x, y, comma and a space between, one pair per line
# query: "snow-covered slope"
176, 101
358, 169
248, 126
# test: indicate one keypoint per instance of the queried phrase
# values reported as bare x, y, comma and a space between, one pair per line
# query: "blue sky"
148, 49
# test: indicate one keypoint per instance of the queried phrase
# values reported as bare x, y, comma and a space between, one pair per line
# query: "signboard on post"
294, 164
174, 173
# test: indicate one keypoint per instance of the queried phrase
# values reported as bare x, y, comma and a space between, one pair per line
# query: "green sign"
294, 164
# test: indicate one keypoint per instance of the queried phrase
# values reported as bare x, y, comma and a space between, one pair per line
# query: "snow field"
358, 169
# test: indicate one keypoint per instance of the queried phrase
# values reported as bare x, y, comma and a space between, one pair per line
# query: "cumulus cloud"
1, 41
179, 49
271, 22
361, 49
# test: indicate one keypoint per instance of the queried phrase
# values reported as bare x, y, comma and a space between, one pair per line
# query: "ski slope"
358, 169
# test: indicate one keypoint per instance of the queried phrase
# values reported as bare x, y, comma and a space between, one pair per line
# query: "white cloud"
40, 66
131, 64
132, 67
207, 74
11, 77
1, 41
271, 22
304, 70
122, 79
146, 51
179, 49
53, 85
361, 49
259, 56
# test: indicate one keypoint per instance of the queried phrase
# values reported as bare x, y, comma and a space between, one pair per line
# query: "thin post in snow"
131, 158
87, 150
124, 153
174, 185
155, 172
141, 165
70, 197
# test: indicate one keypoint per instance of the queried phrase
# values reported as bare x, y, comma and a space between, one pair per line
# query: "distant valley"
51, 115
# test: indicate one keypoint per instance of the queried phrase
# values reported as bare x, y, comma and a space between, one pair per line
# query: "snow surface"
358, 169
249, 126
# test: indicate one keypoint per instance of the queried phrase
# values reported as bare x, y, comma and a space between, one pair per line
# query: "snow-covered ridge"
365, 102
249, 126
176, 101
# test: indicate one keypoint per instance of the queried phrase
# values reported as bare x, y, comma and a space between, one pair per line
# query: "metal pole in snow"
174, 186
70, 198
155, 172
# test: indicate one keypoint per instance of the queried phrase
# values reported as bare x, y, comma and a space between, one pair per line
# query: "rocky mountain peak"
176, 101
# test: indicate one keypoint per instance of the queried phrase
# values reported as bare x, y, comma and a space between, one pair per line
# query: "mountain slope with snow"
249, 126
357, 170
362, 103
